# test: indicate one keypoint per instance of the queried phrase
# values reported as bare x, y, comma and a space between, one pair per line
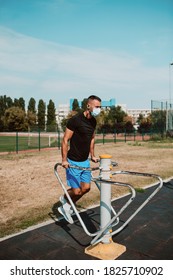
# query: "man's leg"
76, 193
77, 190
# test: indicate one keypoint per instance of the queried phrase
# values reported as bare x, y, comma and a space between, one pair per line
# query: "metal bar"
97, 239
99, 234
145, 202
71, 202
112, 209
133, 194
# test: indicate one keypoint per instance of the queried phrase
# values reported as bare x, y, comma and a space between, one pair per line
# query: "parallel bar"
106, 222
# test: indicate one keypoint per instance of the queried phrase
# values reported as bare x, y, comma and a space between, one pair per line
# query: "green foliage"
145, 125
113, 119
5, 103
84, 104
75, 105
15, 119
51, 116
32, 105
22, 103
158, 119
155, 123
41, 114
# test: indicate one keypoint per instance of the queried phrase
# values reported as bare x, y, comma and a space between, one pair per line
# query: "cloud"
45, 68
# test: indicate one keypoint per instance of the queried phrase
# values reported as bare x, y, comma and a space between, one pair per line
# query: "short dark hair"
93, 97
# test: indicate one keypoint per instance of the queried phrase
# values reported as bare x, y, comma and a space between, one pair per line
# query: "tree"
41, 114
5, 103
51, 116
22, 103
9, 102
102, 121
31, 113
75, 105
2, 111
31, 120
16, 102
115, 118
145, 125
158, 120
140, 119
32, 105
128, 126
84, 104
15, 119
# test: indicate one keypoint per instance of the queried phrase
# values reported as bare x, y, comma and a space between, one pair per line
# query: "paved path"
149, 236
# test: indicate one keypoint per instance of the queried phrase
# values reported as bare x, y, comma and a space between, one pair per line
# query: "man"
80, 132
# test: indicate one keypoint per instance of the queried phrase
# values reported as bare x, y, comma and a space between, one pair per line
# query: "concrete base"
104, 251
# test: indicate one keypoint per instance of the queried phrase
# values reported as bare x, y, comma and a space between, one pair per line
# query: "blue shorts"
76, 176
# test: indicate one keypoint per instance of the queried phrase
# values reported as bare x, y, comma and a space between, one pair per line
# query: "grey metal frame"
98, 235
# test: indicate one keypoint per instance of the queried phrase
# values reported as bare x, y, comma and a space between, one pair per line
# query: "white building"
62, 112
134, 113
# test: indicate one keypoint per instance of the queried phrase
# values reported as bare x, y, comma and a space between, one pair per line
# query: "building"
62, 112
134, 113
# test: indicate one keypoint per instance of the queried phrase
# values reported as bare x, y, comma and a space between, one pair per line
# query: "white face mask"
95, 112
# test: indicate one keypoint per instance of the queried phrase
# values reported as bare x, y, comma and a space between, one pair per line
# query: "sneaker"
63, 202
66, 214
62, 199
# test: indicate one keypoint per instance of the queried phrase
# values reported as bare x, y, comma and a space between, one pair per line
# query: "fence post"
134, 135
103, 137
17, 142
39, 140
115, 140
59, 140
143, 133
125, 135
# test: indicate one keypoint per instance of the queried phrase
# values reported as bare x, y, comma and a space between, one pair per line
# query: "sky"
62, 49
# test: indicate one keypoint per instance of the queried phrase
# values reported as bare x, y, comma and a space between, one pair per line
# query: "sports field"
30, 191
14, 142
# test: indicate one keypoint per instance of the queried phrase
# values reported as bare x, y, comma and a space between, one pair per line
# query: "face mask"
95, 112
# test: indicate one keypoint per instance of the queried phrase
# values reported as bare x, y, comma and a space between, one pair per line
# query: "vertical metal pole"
17, 142
125, 136
114, 135
59, 140
105, 196
39, 139
103, 137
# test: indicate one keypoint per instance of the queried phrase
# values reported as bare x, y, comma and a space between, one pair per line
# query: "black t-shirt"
83, 129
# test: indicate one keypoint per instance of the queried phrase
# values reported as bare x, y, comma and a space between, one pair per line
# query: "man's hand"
94, 159
65, 164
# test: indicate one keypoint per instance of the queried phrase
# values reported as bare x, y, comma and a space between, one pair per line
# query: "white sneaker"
63, 202
66, 214
62, 199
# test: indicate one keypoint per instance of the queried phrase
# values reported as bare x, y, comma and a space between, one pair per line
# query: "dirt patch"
29, 189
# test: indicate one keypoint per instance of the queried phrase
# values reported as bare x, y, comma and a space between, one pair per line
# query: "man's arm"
93, 158
64, 147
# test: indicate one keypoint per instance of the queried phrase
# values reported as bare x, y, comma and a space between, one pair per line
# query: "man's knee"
77, 191
85, 188
82, 190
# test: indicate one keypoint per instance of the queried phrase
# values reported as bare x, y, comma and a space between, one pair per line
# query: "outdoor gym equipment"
102, 245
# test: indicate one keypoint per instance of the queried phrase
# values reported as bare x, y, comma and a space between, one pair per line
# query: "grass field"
15, 143
21, 141
30, 191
